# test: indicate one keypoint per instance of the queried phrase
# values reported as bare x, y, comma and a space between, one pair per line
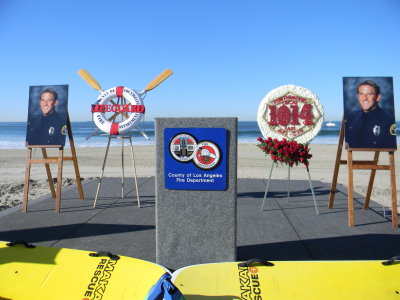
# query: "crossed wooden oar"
94, 84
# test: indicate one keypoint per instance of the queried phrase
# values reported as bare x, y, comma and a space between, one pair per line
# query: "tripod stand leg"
102, 172
312, 191
134, 170
266, 189
122, 179
288, 189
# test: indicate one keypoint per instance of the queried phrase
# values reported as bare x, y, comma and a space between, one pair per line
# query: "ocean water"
13, 134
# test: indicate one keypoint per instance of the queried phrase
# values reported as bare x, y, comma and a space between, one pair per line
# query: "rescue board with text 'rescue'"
291, 280
34, 272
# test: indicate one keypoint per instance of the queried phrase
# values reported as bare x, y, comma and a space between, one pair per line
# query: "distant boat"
330, 124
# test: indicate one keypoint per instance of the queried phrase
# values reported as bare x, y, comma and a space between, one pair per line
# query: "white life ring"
110, 127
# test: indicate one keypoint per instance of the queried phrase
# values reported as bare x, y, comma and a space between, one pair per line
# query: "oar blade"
156, 81
89, 79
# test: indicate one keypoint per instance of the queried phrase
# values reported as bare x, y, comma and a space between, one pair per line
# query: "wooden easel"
363, 165
52, 160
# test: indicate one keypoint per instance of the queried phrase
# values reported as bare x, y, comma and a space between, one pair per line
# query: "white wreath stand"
288, 191
122, 138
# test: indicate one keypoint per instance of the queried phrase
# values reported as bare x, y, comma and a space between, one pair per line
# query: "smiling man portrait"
48, 127
370, 126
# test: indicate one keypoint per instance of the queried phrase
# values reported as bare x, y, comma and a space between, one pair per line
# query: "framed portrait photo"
369, 116
47, 115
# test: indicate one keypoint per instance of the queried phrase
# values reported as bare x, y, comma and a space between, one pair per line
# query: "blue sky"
225, 55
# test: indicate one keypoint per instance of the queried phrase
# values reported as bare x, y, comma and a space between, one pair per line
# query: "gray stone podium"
196, 226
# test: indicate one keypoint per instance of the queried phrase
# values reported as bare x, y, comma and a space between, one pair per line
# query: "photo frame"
369, 116
47, 115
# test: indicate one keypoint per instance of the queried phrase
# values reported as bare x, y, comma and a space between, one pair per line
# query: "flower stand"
286, 152
288, 190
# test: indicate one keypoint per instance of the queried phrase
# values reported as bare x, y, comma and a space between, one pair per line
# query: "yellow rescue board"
53, 273
291, 280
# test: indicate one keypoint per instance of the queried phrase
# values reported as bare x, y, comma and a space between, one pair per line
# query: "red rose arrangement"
284, 151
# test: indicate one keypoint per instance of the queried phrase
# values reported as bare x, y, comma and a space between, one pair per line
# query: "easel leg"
102, 172
74, 158
371, 181
337, 165
49, 177
59, 179
267, 187
334, 179
393, 190
27, 176
122, 179
350, 195
134, 170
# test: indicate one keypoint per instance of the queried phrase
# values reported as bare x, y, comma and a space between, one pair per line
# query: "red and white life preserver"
135, 106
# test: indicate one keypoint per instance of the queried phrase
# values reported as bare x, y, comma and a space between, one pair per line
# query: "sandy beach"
252, 163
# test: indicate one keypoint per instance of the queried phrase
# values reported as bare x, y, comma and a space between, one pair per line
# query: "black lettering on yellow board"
100, 279
250, 285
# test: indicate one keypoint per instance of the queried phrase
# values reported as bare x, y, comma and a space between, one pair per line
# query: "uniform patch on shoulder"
64, 130
392, 129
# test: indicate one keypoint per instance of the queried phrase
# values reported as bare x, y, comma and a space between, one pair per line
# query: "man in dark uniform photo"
49, 128
370, 126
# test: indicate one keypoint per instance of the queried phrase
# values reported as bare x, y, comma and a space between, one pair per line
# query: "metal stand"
128, 136
123, 171
288, 191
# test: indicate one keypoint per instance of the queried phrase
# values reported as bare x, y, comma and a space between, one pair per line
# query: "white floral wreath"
276, 115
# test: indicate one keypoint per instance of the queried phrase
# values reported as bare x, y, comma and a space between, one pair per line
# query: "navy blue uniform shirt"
47, 130
373, 129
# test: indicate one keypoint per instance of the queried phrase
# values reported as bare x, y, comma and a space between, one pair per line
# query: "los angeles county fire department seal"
207, 155
183, 147
290, 112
